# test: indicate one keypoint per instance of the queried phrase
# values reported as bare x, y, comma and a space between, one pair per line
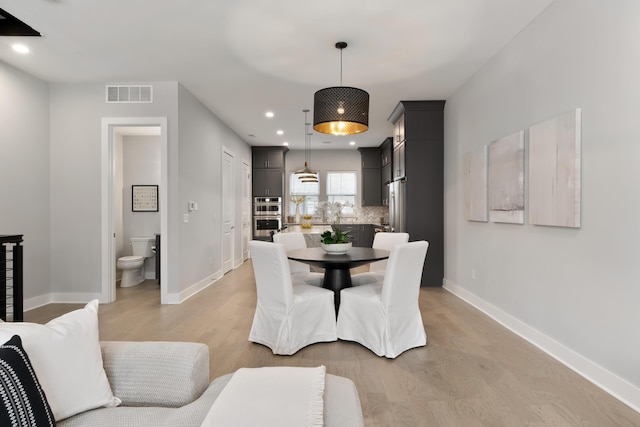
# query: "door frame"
108, 257
227, 151
246, 200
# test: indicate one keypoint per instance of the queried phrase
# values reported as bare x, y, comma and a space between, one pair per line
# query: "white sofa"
167, 384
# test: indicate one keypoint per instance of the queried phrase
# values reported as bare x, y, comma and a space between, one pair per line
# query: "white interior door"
228, 211
246, 209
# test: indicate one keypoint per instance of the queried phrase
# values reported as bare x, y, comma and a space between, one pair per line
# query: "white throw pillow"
66, 356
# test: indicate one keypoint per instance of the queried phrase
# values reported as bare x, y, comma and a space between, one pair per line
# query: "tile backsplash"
363, 215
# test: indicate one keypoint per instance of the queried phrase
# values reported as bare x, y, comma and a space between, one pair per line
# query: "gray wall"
51, 182
576, 288
76, 111
202, 137
24, 173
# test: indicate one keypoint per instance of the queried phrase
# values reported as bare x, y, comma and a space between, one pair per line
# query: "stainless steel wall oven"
269, 206
267, 216
264, 225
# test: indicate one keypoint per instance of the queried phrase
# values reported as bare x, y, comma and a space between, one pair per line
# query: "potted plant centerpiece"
335, 241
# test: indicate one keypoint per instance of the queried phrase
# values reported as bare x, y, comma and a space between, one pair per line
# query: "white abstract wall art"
475, 185
554, 170
506, 179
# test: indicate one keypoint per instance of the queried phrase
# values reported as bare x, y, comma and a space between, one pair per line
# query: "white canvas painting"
554, 171
506, 179
475, 185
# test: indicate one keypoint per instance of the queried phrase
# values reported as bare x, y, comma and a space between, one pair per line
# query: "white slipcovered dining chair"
386, 241
289, 315
385, 317
299, 270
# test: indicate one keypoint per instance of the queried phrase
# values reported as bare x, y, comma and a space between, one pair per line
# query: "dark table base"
336, 279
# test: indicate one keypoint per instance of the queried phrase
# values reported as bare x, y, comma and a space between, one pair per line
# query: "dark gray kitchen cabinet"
386, 159
367, 235
361, 234
419, 139
355, 233
371, 187
399, 171
386, 151
268, 182
268, 171
268, 157
371, 178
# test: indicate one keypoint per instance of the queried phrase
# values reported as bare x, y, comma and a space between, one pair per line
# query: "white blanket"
272, 396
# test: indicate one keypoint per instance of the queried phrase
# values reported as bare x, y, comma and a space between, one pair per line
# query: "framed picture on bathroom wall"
144, 198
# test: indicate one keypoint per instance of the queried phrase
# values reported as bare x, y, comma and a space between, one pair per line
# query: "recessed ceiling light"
269, 114
20, 48
352, 143
280, 132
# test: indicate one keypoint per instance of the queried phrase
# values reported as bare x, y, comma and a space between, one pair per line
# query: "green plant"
337, 236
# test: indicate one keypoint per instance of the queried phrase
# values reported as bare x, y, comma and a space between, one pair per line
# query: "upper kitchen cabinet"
268, 171
398, 130
398, 169
268, 157
371, 179
386, 158
419, 141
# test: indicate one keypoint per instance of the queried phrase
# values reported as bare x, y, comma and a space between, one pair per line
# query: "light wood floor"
472, 372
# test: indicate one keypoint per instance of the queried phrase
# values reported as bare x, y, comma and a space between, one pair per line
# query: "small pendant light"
306, 174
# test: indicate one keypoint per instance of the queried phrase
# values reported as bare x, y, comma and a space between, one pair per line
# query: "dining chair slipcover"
382, 240
289, 315
385, 317
299, 270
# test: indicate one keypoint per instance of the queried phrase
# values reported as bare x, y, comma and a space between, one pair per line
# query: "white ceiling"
242, 58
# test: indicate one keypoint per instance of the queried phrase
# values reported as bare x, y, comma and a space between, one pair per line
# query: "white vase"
336, 248
297, 214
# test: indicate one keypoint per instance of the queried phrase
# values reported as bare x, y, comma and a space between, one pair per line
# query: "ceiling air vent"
129, 94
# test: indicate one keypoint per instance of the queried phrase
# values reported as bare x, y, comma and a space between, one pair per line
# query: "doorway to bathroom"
134, 158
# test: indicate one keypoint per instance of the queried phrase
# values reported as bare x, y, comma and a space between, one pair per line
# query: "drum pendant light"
306, 174
341, 110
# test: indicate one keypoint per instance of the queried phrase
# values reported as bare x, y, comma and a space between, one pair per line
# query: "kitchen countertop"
319, 228
315, 229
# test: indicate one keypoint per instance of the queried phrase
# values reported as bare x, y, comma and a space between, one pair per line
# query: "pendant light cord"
340, 66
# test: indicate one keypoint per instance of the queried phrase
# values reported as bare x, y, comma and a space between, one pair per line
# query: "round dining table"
337, 273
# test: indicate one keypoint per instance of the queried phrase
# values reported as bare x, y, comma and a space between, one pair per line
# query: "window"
310, 191
342, 187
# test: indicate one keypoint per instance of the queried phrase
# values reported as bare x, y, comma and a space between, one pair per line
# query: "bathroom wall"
141, 166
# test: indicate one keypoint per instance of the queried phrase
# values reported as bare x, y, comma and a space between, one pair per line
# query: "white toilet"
132, 267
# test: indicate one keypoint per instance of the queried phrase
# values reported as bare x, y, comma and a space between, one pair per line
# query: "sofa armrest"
156, 373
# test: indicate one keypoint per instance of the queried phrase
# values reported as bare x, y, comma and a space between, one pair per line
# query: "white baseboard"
39, 301
194, 289
618, 387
